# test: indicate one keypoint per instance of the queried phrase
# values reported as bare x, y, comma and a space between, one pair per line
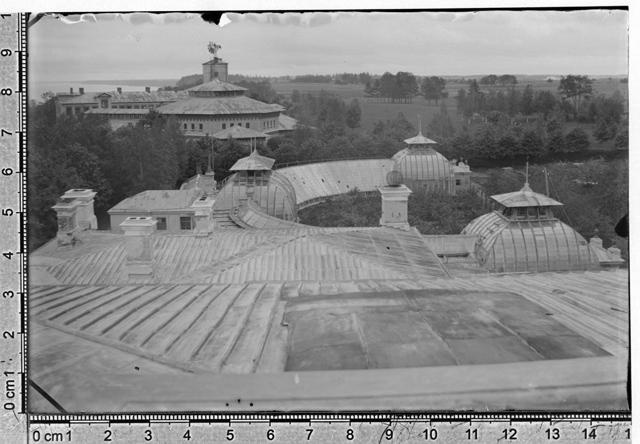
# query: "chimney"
85, 215
119, 90
203, 215
81, 90
66, 211
394, 206
147, 89
595, 241
71, 91
138, 244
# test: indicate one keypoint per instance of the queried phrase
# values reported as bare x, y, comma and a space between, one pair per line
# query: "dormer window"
104, 103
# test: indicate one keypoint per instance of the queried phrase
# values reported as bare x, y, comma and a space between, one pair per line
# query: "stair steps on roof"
222, 219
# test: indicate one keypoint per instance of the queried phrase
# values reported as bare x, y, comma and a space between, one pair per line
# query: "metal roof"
117, 111
239, 132
126, 97
216, 85
253, 162
316, 181
419, 140
526, 197
218, 106
158, 200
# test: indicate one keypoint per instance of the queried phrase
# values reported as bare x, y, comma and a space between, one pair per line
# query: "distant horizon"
104, 47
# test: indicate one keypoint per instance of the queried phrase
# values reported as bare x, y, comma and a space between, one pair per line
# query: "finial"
419, 125
526, 173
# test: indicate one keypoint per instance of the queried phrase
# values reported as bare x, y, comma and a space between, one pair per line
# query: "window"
104, 103
215, 74
231, 125
224, 126
185, 126
458, 182
247, 125
185, 222
201, 127
162, 223
69, 111
521, 213
193, 126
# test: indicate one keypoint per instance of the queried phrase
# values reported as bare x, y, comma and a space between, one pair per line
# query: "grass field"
373, 111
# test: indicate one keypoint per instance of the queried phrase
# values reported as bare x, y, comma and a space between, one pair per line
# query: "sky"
168, 46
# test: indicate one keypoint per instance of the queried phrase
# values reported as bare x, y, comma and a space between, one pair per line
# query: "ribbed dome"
506, 245
424, 168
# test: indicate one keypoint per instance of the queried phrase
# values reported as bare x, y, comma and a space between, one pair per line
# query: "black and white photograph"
412, 210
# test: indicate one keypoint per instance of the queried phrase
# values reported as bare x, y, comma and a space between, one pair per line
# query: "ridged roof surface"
315, 181
526, 197
419, 140
219, 105
127, 97
216, 85
530, 245
157, 200
253, 162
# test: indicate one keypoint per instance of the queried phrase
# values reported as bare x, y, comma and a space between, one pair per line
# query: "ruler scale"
17, 426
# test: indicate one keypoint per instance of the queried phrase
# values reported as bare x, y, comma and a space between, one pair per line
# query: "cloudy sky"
143, 46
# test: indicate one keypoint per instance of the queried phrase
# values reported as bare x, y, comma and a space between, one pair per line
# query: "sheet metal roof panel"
239, 132
126, 97
253, 162
158, 200
219, 106
525, 198
216, 85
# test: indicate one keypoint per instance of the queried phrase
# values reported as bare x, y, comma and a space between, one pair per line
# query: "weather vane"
214, 48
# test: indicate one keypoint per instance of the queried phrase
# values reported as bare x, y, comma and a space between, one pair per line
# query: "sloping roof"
239, 132
219, 105
316, 181
126, 97
285, 123
526, 197
419, 140
253, 162
216, 85
157, 200
117, 111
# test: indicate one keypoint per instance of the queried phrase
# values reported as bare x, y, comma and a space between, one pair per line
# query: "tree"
575, 88
576, 140
526, 102
441, 123
353, 114
432, 88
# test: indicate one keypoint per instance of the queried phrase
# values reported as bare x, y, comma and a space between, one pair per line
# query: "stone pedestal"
394, 206
203, 215
139, 247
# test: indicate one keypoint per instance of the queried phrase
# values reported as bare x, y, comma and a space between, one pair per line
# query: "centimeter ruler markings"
200, 427
13, 101
297, 428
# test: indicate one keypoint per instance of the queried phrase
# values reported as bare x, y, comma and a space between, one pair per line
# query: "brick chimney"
147, 89
138, 243
71, 91
119, 90
81, 90
394, 206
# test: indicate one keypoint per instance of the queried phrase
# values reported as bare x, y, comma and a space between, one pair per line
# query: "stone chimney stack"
75, 213
203, 215
81, 90
119, 90
394, 206
138, 244
71, 91
86, 218
66, 210
147, 89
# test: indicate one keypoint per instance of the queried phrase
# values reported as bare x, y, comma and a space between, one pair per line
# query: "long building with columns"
212, 108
